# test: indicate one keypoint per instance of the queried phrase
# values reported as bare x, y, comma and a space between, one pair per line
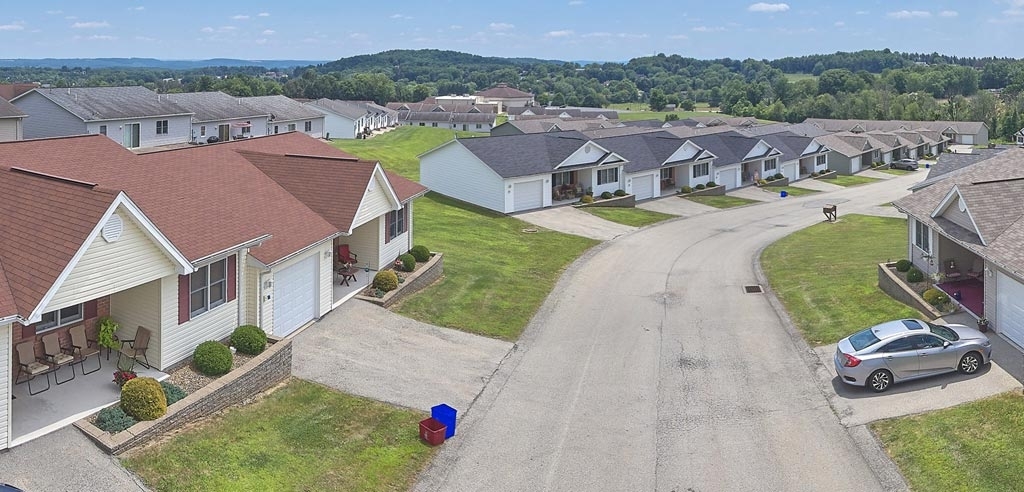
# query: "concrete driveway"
369, 351
671, 377
571, 220
64, 460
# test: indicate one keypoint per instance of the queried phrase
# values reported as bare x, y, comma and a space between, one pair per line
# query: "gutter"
227, 251
303, 250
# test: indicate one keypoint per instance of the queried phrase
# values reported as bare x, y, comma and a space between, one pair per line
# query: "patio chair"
345, 256
950, 270
82, 349
30, 366
137, 347
977, 268
58, 356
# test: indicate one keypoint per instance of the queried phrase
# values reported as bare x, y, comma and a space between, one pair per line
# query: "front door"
131, 135
224, 132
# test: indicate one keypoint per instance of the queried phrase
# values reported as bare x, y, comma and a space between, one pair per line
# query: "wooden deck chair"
82, 349
58, 356
137, 347
977, 268
345, 256
950, 269
29, 366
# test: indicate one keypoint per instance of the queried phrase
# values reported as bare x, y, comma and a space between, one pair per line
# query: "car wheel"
969, 363
880, 380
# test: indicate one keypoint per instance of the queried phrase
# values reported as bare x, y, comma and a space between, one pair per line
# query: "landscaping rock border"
715, 191
892, 285
423, 276
777, 182
828, 175
261, 373
627, 201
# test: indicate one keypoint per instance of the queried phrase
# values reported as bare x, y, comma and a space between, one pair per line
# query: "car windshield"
863, 339
943, 331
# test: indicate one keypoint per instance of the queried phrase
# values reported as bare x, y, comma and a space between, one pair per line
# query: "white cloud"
15, 26
862, 12
455, 27
909, 14
90, 25
679, 36
401, 16
240, 17
98, 37
708, 29
1016, 8
768, 7
263, 14
357, 35
575, 3
269, 32
559, 34
145, 39
54, 12
140, 7
839, 24
227, 28
599, 34
206, 29
501, 26
949, 13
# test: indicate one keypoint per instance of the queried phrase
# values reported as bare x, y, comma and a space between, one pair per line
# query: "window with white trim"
771, 164
60, 317
922, 236
291, 127
563, 178
701, 170
103, 129
394, 224
308, 126
161, 127
605, 176
821, 160
666, 172
208, 287
202, 130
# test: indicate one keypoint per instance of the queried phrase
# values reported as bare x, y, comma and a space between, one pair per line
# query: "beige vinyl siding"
957, 217
5, 386
400, 244
251, 281
179, 341
326, 289
10, 129
365, 241
179, 130
375, 201
106, 268
454, 171
140, 306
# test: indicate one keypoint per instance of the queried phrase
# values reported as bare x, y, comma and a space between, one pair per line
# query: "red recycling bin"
432, 431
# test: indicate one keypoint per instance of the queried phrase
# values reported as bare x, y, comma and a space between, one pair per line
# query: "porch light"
327, 255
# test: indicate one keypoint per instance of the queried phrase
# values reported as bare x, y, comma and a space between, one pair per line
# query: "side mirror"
946, 344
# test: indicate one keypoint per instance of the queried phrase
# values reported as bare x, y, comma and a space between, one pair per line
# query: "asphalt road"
649, 368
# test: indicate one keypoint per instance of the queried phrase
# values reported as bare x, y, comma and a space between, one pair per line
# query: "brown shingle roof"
406, 189
503, 91
8, 110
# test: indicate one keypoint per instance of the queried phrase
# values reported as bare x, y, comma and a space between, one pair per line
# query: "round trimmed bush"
620, 192
686, 189
144, 399
699, 187
935, 297
903, 265
915, 275
814, 174
385, 280
778, 176
249, 339
606, 195
420, 252
711, 184
172, 392
408, 262
769, 178
587, 199
212, 358
113, 419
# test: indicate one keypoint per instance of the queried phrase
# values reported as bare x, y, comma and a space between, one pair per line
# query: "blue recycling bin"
446, 415
783, 194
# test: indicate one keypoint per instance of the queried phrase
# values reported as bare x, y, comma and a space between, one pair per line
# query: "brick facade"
21, 333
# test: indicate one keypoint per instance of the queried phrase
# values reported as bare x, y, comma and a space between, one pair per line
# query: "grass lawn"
842, 180
977, 446
790, 190
301, 437
897, 172
721, 201
660, 115
397, 149
636, 217
827, 275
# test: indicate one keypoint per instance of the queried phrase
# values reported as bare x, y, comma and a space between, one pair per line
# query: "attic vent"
113, 228
586, 149
753, 289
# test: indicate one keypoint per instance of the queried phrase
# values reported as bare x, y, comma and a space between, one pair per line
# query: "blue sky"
557, 29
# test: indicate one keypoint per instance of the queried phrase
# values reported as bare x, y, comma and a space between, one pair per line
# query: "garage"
727, 177
967, 139
643, 187
1010, 308
528, 195
295, 296
791, 171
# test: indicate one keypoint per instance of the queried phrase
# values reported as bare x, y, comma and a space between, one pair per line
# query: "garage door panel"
528, 195
1010, 308
643, 187
727, 178
295, 295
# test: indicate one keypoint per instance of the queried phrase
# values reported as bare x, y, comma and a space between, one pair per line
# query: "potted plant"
105, 329
123, 375
983, 325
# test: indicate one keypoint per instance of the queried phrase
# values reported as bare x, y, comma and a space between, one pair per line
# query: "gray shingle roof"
474, 118
348, 109
213, 106
848, 144
643, 151
112, 103
8, 110
525, 155
281, 108
948, 162
962, 127
729, 147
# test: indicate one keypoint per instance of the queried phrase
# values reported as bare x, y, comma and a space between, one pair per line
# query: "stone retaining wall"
830, 175
425, 275
892, 285
258, 375
627, 201
716, 191
777, 182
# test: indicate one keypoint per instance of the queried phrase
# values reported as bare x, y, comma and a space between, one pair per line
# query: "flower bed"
827, 175
712, 191
895, 284
409, 282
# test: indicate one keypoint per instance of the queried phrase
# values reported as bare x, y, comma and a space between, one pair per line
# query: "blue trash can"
783, 194
446, 415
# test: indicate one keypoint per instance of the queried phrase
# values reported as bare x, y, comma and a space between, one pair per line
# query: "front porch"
33, 416
349, 287
970, 293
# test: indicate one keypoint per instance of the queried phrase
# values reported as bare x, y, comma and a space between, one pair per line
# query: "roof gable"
952, 207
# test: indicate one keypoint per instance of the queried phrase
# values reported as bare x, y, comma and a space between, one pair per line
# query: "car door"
900, 357
934, 357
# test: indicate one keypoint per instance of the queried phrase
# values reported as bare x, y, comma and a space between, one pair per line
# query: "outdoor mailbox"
830, 212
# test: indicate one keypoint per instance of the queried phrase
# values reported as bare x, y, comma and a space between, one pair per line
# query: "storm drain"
753, 289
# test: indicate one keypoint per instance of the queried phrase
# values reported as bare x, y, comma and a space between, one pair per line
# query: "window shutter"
232, 278
183, 299
89, 310
387, 227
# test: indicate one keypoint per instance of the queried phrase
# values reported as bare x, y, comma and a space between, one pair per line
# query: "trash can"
783, 194
432, 431
446, 415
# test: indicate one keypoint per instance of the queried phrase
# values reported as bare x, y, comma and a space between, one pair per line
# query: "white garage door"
528, 195
968, 139
791, 171
1010, 308
295, 296
727, 177
643, 187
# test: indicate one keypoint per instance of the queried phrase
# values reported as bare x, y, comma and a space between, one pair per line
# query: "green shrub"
903, 265
249, 339
606, 195
212, 358
778, 176
385, 280
144, 399
408, 262
935, 297
420, 252
686, 189
814, 174
587, 199
113, 419
699, 187
620, 192
761, 182
711, 184
915, 275
172, 392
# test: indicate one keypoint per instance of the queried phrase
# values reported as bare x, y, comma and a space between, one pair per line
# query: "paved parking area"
571, 220
366, 350
64, 460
